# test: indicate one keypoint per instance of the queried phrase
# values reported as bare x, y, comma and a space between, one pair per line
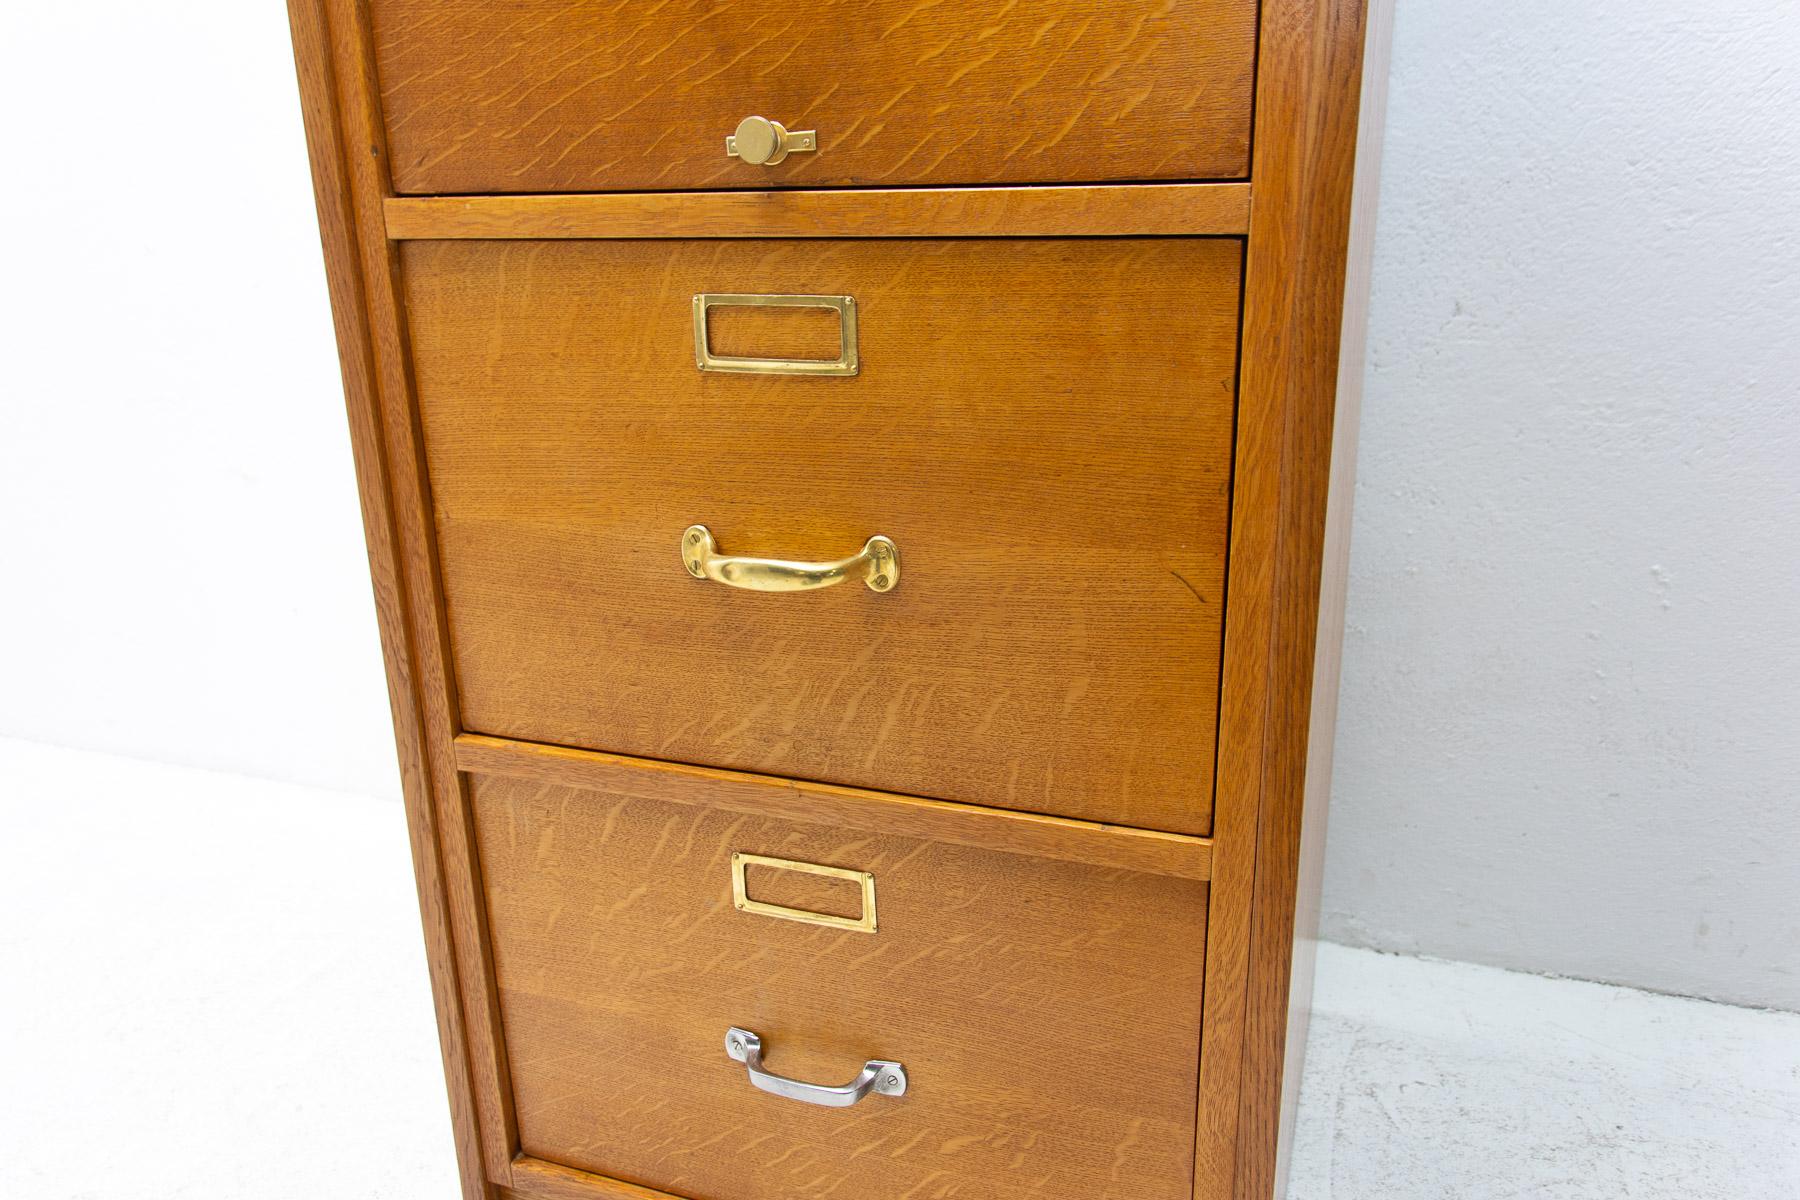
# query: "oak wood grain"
1043, 427
535, 1179
372, 329
1290, 462
1137, 850
1350, 46
997, 980
336, 111
1164, 209
1272, 736
542, 95
403, 456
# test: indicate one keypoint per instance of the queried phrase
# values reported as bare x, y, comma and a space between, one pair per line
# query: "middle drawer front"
1042, 427
1046, 1014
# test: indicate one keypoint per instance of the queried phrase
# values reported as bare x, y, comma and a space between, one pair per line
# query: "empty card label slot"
761, 334
806, 334
805, 892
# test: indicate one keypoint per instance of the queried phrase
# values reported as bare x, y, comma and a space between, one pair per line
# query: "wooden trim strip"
1309, 70
1193, 209
1307, 875
536, 1179
417, 644
356, 293
1171, 854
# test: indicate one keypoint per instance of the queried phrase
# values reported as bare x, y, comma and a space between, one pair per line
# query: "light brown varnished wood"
1274, 729
535, 1179
406, 481
1042, 426
996, 829
1164, 209
546, 96
1290, 461
997, 980
1356, 66
323, 47
331, 52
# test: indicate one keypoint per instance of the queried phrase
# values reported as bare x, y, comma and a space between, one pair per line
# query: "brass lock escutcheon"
762, 142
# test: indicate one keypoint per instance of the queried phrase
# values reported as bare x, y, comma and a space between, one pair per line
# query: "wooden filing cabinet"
856, 497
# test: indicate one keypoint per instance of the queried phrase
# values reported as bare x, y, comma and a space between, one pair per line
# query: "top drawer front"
544, 96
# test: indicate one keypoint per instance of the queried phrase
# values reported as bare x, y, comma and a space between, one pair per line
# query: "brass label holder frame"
844, 364
741, 900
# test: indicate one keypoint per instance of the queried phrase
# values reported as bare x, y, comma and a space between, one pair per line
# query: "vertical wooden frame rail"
1298, 376
345, 140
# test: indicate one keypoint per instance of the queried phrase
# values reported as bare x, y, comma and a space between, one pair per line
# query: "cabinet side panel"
408, 495
1310, 89
1328, 657
320, 37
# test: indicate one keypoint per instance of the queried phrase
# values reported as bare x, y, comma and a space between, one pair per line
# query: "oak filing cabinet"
855, 491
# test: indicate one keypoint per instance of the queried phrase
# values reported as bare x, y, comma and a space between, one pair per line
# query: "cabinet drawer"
996, 982
543, 95
1042, 427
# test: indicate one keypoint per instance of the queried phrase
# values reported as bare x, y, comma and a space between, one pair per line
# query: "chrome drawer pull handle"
878, 565
878, 1075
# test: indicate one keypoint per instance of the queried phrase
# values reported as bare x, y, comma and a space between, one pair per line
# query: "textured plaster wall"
1569, 736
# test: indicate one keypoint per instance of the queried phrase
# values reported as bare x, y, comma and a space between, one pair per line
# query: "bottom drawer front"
1046, 1014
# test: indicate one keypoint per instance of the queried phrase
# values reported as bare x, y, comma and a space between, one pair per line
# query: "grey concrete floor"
1433, 1079
213, 986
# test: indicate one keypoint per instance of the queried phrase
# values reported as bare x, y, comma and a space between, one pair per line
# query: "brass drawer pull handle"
878, 565
878, 1075
844, 306
762, 142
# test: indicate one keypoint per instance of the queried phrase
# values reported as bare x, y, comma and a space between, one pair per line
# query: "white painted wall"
181, 564
1568, 733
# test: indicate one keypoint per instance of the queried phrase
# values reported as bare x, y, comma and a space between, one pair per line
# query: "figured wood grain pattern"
1281, 606
1043, 427
405, 477
1345, 99
1166, 209
997, 980
543, 95
1136, 850
328, 44
1273, 737
535, 1179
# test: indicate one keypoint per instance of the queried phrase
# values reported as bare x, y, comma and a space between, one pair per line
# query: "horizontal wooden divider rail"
1101, 845
1163, 209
